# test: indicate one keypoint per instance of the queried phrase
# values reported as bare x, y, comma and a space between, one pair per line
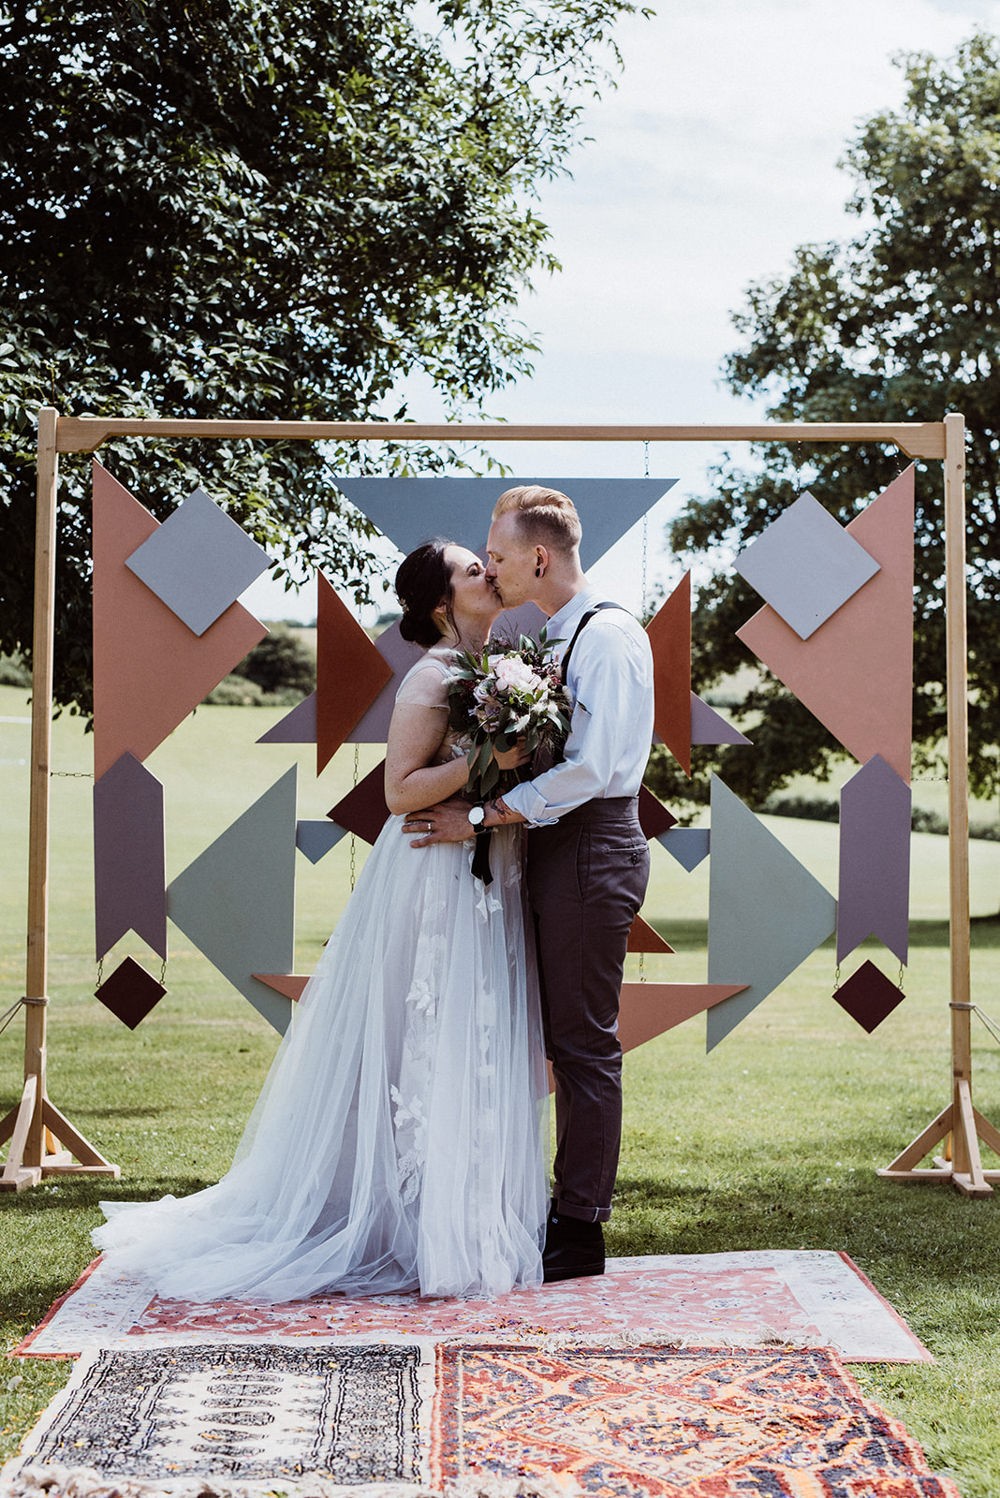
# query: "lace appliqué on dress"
417, 1062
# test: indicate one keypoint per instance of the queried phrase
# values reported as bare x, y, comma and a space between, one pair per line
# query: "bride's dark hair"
422, 581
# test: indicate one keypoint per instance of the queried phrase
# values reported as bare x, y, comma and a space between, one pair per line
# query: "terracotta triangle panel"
669, 633
643, 938
150, 671
855, 674
350, 673
289, 984
650, 1009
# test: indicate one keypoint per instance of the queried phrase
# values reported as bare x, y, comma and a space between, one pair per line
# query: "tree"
281, 663
237, 208
900, 323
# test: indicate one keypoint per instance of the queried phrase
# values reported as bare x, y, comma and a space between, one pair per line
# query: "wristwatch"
477, 816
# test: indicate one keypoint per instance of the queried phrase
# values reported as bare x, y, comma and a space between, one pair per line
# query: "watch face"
476, 815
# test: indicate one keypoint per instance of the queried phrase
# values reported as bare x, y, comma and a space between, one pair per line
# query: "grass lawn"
772, 1141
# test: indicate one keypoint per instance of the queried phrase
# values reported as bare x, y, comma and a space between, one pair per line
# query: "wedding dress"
397, 1142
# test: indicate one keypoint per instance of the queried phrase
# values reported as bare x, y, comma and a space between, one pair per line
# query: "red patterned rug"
798, 1298
663, 1422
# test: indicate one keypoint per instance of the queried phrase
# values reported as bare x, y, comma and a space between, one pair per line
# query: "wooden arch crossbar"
44, 1143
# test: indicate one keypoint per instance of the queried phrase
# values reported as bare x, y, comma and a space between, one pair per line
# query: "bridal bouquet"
496, 699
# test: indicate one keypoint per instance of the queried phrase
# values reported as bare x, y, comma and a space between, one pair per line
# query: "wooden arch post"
43, 1142
959, 1123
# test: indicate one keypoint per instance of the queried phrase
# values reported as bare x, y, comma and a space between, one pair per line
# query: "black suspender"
564, 663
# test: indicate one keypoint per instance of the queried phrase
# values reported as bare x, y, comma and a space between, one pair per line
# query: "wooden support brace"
961, 1165
91, 1161
17, 1125
66, 1152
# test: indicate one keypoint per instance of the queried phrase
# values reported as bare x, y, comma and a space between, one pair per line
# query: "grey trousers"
586, 879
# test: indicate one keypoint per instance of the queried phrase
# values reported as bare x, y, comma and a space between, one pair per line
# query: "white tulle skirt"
397, 1142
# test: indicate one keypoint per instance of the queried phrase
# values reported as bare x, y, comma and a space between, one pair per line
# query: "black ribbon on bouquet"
481, 856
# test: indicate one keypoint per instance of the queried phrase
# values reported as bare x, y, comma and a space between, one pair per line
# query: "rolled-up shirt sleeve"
610, 729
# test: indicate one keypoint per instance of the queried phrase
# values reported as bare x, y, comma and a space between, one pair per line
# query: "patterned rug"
472, 1418
803, 1298
658, 1422
258, 1415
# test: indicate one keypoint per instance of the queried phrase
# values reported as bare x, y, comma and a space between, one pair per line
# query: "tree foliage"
282, 662
265, 208
900, 323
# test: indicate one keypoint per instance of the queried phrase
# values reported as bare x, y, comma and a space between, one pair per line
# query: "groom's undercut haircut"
544, 516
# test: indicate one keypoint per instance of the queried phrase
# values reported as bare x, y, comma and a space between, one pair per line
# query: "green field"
772, 1141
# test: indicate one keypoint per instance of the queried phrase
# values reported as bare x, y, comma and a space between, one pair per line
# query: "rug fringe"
83, 1482
52, 1481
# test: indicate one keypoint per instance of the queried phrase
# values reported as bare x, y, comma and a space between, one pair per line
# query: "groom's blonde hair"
546, 516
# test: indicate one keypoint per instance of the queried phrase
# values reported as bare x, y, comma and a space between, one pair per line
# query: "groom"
587, 859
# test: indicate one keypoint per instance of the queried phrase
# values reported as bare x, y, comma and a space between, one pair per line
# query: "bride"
396, 1144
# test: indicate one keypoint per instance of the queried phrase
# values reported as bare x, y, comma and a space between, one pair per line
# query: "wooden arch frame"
44, 1142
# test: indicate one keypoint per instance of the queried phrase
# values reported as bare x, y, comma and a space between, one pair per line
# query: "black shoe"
573, 1248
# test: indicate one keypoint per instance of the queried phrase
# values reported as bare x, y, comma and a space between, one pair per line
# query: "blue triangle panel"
236, 901
410, 511
688, 845
315, 839
766, 913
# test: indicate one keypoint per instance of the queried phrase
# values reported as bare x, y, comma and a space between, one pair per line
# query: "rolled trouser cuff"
581, 1214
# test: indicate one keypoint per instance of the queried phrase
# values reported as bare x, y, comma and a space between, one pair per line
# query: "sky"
715, 156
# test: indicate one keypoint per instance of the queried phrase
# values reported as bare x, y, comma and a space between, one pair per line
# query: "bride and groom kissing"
398, 1142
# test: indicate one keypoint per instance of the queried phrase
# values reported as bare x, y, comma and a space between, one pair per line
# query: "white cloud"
712, 160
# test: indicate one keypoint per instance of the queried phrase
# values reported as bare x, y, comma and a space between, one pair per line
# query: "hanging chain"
163, 973
836, 978
100, 971
899, 980
354, 841
642, 967
645, 534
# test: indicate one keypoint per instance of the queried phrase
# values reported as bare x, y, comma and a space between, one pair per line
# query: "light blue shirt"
611, 688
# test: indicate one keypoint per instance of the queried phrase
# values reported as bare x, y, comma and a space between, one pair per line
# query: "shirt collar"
562, 623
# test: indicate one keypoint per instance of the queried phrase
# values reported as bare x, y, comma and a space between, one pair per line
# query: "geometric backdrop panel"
412, 510
855, 674
236, 901
199, 561
766, 912
150, 671
874, 874
805, 565
129, 862
669, 635
350, 673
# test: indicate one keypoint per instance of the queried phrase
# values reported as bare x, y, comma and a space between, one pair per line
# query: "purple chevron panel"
129, 862
874, 894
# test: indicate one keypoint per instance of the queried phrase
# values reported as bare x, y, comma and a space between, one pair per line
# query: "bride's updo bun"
422, 582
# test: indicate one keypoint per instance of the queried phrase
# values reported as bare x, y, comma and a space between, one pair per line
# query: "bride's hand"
512, 759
